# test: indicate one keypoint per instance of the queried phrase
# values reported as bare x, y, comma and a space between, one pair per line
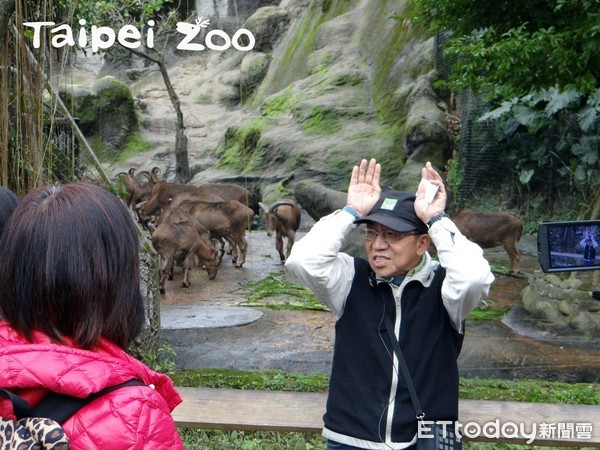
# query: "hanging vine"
27, 113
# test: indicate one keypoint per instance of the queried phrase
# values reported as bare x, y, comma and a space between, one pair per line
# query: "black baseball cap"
395, 210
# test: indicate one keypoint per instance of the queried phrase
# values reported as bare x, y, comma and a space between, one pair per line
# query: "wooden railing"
556, 425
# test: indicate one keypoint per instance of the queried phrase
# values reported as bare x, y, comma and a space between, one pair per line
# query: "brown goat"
283, 218
161, 196
181, 213
490, 230
179, 243
229, 220
164, 192
139, 191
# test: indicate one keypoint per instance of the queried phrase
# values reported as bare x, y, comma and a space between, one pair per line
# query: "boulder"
268, 25
318, 200
116, 116
253, 69
105, 113
561, 306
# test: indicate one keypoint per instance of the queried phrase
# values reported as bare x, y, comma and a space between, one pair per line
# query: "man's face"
401, 253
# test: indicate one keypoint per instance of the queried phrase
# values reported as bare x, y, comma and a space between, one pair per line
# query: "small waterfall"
212, 9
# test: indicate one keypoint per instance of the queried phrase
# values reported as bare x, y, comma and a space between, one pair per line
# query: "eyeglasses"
388, 236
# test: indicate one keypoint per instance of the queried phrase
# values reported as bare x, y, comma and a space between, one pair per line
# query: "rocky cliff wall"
329, 82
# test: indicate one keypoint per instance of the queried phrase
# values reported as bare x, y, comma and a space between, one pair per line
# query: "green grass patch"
534, 391
274, 380
276, 293
249, 440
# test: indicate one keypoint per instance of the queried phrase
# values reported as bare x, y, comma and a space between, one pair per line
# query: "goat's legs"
279, 245
242, 246
515, 257
291, 237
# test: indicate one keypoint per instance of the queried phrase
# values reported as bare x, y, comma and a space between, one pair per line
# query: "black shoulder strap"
20, 406
404, 368
58, 407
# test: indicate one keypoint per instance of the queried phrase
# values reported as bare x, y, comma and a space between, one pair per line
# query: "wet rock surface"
302, 341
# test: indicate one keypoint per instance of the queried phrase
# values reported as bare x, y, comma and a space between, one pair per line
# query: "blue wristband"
351, 210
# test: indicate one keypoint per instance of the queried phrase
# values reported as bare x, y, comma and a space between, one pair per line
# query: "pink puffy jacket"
133, 417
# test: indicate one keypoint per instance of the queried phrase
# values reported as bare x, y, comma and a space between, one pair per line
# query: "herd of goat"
193, 226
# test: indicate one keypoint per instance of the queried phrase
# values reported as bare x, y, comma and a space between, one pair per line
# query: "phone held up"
569, 246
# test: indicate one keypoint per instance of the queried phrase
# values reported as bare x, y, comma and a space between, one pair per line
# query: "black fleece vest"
361, 377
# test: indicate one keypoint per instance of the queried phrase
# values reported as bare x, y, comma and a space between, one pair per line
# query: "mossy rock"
82, 104
253, 69
105, 113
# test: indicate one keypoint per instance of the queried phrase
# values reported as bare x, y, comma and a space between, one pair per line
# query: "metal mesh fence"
478, 146
479, 149
74, 160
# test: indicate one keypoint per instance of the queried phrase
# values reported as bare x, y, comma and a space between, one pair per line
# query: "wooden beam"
234, 409
559, 420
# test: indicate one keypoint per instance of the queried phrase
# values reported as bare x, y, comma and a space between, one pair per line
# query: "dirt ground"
302, 341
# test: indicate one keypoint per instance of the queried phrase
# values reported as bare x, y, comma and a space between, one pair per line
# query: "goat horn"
281, 203
131, 171
156, 170
121, 173
263, 207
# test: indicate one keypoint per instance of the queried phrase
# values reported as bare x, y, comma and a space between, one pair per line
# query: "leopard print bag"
32, 433
33, 430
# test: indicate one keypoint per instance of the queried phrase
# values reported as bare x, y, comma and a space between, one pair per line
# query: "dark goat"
179, 243
181, 213
139, 191
491, 230
229, 220
283, 218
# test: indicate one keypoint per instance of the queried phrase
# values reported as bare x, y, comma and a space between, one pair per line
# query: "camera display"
569, 246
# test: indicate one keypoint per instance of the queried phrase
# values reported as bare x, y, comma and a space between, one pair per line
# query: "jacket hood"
63, 368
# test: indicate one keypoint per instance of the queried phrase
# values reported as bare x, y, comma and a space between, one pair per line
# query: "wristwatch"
352, 211
435, 218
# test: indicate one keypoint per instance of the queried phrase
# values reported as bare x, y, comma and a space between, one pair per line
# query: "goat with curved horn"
283, 218
136, 190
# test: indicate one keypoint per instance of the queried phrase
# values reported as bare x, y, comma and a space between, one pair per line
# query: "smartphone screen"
569, 246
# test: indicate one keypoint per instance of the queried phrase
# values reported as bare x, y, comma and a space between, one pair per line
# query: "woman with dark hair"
8, 202
70, 304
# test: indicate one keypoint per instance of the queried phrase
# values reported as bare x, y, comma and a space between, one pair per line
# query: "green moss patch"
280, 104
243, 148
320, 121
135, 144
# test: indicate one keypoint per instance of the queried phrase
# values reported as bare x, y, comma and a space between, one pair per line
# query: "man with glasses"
427, 301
